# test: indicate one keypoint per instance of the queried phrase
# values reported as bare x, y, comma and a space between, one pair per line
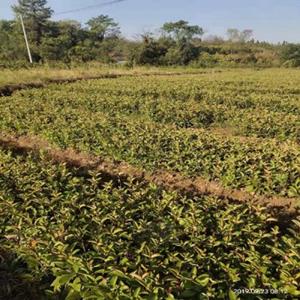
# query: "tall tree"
181, 30
237, 36
290, 54
12, 46
62, 38
36, 14
103, 27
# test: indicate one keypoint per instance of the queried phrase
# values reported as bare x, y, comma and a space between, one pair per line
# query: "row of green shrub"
64, 236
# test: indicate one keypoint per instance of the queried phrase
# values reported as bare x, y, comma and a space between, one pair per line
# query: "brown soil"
8, 90
118, 171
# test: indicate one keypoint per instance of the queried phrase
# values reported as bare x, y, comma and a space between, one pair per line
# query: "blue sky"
271, 20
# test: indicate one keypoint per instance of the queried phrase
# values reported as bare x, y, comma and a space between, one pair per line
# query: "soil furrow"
9, 89
281, 207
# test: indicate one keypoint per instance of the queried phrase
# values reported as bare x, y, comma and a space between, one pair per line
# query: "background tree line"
100, 39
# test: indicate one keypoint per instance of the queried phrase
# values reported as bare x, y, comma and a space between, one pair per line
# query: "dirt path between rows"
117, 171
9, 89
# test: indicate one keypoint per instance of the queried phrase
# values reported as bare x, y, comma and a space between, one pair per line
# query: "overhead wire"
107, 3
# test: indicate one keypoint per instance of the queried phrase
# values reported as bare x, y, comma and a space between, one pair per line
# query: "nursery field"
152, 186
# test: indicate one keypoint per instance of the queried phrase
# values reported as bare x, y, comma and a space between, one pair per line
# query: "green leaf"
76, 284
113, 280
61, 280
137, 292
292, 290
73, 295
118, 273
203, 280
232, 295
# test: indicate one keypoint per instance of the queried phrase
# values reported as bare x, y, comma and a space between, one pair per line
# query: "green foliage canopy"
103, 27
181, 30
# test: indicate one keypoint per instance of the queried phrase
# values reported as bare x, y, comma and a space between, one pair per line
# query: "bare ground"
9, 89
116, 171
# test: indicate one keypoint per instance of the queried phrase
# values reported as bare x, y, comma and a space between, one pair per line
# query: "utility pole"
26, 40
